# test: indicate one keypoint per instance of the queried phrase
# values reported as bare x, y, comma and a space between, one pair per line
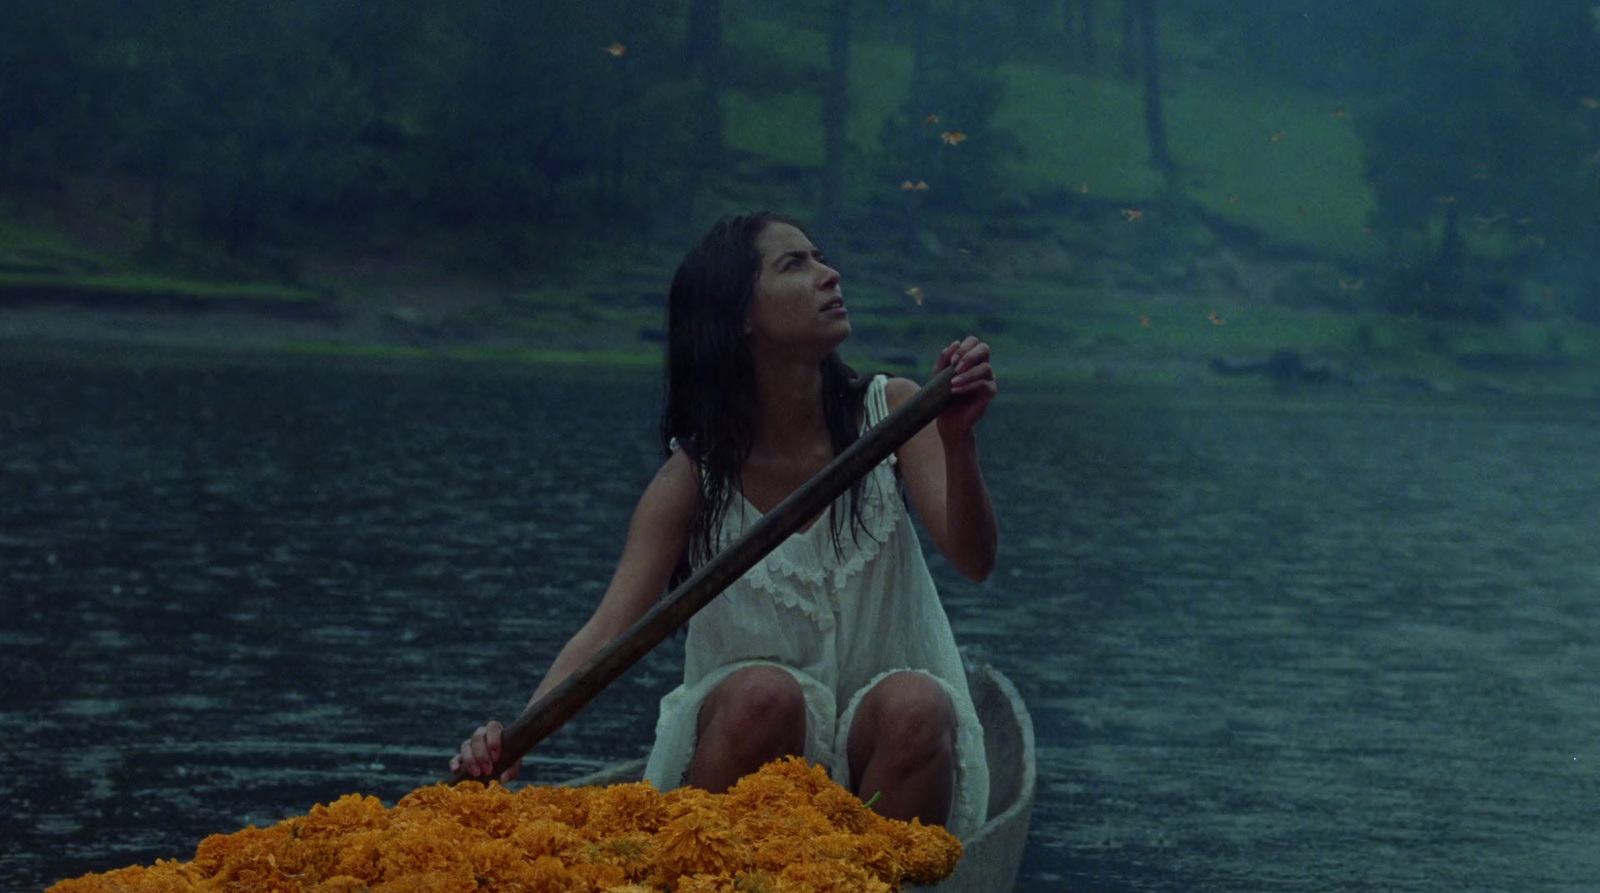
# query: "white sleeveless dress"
838, 621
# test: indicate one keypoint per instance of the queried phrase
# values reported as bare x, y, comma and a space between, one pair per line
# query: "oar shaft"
562, 702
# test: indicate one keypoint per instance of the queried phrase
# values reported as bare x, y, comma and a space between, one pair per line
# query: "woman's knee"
762, 706
911, 714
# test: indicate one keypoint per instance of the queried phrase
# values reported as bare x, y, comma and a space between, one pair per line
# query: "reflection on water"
1294, 647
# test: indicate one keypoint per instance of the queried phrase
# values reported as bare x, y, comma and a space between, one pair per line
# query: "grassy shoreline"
1270, 351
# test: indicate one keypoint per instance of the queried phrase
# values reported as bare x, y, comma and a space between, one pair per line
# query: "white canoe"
992, 855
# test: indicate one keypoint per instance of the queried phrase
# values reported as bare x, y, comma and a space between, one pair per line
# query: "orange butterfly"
1216, 320
916, 294
951, 137
615, 49
1132, 214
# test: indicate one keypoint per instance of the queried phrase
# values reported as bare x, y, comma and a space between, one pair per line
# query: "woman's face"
797, 300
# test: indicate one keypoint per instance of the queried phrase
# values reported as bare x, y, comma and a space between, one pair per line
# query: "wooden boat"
993, 854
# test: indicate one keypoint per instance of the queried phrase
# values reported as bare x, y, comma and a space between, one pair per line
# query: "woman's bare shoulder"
898, 390
677, 472
676, 479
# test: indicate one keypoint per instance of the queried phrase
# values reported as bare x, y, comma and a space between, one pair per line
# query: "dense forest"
1462, 137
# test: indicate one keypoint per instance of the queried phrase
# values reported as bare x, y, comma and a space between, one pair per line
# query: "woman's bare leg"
753, 717
903, 748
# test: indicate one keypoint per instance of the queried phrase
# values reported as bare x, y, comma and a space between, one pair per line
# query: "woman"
834, 647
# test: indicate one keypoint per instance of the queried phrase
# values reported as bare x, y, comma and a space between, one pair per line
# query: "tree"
48, 62
1150, 52
1086, 28
1459, 121
705, 67
835, 110
943, 134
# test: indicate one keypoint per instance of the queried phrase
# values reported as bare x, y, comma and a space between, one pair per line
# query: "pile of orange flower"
786, 829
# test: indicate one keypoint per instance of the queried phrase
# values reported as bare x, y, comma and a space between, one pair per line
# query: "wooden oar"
561, 703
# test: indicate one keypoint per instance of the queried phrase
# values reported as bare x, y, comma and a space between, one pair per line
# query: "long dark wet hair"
711, 396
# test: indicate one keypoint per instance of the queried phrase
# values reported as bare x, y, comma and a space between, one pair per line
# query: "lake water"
1281, 644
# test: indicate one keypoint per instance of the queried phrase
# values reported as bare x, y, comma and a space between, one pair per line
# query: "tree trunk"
704, 59
245, 207
920, 105
1155, 123
1130, 38
1086, 24
1451, 249
836, 109
705, 64
960, 25
158, 199
1069, 30
1024, 16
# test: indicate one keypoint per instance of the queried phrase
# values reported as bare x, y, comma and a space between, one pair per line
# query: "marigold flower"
701, 842
629, 853
787, 829
842, 809
343, 883
569, 806
927, 858
825, 877
598, 876
429, 882
705, 883
550, 875
624, 809
544, 837
349, 813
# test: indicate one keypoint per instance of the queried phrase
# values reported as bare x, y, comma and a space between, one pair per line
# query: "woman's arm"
656, 539
940, 464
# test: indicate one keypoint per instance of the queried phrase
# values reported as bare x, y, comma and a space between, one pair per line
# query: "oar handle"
561, 703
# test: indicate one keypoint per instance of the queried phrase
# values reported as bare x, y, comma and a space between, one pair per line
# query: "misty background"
1406, 190
330, 341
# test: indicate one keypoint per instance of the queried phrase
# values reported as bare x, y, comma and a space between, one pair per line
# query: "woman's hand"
971, 390
478, 753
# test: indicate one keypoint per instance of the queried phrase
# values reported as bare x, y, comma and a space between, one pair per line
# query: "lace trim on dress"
880, 515
768, 577
799, 571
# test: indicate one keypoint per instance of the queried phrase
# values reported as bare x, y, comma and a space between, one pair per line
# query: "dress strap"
877, 401
877, 408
